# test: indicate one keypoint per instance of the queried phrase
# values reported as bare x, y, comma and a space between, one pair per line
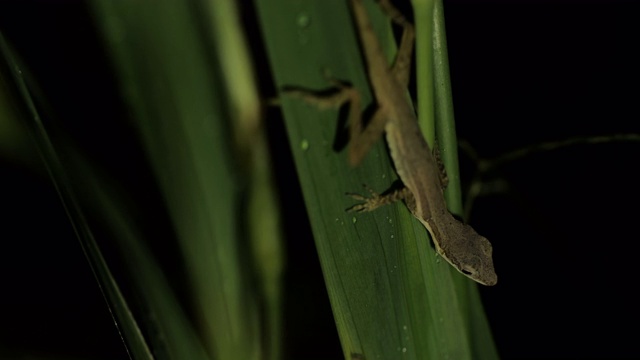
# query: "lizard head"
471, 254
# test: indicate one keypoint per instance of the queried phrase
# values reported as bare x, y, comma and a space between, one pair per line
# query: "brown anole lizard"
456, 242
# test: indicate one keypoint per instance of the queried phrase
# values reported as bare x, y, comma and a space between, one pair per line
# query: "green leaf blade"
391, 295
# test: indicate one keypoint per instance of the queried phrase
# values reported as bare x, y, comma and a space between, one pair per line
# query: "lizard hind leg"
332, 98
401, 68
361, 138
376, 200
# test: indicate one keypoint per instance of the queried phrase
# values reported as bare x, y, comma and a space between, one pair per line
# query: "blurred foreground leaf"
193, 106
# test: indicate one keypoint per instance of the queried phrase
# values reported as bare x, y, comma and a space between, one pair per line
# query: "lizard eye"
471, 266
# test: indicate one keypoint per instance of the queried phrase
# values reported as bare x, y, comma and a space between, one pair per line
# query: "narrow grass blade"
127, 324
429, 14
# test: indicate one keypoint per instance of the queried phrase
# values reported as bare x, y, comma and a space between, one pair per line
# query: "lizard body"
456, 242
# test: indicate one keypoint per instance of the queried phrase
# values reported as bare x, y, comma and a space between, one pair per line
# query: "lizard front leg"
444, 178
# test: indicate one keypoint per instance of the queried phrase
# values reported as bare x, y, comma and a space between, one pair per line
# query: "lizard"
418, 169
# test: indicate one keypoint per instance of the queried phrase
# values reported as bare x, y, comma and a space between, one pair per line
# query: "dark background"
562, 222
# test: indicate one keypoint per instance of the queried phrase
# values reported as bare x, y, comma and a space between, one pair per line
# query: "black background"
562, 222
